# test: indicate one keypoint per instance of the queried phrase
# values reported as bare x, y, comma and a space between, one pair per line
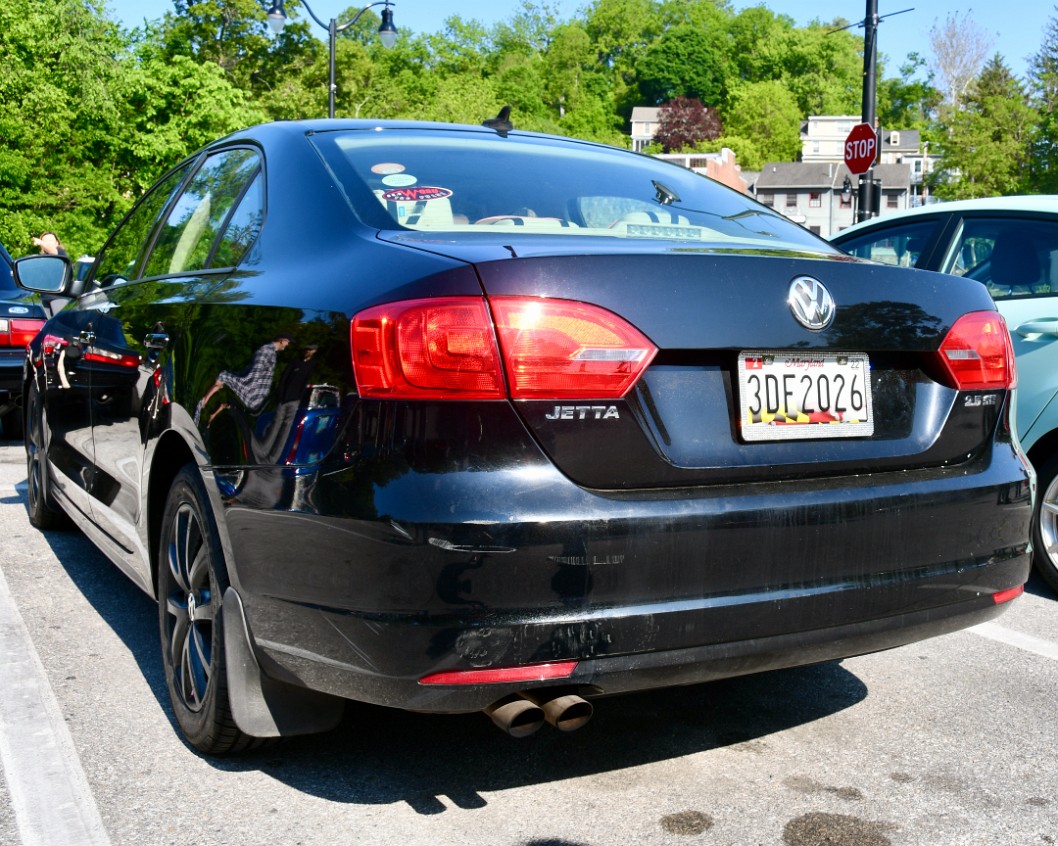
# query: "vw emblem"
811, 303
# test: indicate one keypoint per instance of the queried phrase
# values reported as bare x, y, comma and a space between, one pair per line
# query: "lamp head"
387, 32
277, 16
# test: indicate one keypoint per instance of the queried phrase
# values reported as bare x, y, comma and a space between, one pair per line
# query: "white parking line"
1035, 645
50, 796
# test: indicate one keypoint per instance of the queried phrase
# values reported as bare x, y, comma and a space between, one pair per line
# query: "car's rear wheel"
1045, 522
191, 583
42, 513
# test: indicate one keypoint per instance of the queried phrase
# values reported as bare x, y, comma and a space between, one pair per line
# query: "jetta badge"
811, 303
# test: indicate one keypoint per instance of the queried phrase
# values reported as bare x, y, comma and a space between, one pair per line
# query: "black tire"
42, 512
1045, 522
191, 583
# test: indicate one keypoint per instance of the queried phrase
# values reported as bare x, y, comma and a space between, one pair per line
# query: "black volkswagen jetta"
452, 419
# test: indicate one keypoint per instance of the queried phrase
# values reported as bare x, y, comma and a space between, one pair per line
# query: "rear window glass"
467, 182
898, 245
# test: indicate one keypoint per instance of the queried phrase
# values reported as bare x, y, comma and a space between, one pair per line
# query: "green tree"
686, 61
1043, 79
986, 144
61, 122
567, 65
767, 115
823, 69
754, 32
907, 102
620, 31
171, 105
233, 35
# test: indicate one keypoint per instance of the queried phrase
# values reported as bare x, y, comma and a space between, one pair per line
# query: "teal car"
1010, 245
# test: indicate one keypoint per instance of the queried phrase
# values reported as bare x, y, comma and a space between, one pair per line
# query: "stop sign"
861, 148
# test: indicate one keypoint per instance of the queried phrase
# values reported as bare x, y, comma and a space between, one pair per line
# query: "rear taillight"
18, 333
977, 353
558, 349
447, 348
427, 349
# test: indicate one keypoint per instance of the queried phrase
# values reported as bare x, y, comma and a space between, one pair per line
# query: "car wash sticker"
399, 180
415, 194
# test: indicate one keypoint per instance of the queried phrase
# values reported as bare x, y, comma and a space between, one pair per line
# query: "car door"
1016, 257
202, 232
110, 373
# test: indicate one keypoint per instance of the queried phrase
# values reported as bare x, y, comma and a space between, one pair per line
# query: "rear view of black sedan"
453, 419
20, 319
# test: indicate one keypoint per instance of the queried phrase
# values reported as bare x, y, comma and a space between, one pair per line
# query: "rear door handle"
1039, 326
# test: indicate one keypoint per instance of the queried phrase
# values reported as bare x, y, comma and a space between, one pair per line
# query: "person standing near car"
49, 244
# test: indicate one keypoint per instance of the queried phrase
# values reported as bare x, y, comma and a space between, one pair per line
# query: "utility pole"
869, 199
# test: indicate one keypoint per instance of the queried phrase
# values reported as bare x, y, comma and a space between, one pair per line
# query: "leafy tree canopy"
92, 113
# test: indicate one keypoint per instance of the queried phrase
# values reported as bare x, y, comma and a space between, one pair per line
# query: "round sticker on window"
387, 167
399, 180
415, 194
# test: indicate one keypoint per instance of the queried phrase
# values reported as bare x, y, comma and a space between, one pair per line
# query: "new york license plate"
786, 395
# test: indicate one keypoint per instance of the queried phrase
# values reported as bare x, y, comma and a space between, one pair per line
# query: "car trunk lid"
684, 420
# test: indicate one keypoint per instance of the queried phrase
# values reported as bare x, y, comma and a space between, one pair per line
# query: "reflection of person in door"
252, 385
292, 386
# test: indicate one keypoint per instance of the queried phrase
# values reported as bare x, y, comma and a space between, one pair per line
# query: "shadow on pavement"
382, 756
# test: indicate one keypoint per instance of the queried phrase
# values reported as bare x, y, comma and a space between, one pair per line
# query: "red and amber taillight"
17, 332
469, 348
977, 353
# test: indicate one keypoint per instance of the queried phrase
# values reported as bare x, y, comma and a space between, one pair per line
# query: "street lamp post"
387, 33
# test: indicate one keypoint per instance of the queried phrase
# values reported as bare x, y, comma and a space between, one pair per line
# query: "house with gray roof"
815, 194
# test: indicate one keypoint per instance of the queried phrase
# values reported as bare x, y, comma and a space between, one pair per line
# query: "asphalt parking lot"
942, 743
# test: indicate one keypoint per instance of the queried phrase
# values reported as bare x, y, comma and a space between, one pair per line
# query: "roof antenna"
663, 194
501, 123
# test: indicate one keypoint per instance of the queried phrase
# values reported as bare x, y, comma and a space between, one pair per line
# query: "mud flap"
263, 706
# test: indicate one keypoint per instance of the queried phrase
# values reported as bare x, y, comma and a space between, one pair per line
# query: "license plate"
789, 395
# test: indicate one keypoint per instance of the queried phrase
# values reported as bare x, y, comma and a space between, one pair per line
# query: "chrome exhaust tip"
516, 716
566, 712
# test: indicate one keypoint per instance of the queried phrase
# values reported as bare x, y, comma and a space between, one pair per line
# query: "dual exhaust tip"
522, 714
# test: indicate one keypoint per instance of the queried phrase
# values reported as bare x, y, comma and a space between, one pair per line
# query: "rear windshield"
453, 181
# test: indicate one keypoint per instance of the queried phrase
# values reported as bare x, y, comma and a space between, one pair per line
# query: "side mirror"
43, 274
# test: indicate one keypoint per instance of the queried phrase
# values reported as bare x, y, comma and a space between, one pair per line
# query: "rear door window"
190, 238
1013, 257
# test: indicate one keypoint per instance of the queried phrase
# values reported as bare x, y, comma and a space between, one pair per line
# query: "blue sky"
1019, 26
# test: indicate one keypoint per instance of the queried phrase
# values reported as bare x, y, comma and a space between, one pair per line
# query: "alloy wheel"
192, 603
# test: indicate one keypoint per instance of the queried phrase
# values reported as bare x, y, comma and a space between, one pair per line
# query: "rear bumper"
482, 570
625, 673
